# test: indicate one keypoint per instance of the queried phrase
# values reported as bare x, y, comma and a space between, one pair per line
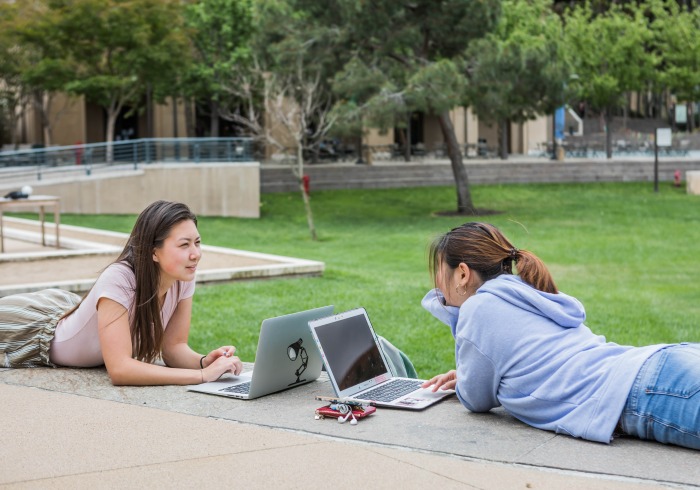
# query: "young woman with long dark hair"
138, 311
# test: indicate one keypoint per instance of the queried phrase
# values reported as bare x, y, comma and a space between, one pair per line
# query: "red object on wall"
305, 180
677, 178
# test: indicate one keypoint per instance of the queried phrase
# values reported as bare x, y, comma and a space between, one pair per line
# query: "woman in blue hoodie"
522, 344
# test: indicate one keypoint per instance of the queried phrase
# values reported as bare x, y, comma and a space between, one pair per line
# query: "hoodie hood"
565, 310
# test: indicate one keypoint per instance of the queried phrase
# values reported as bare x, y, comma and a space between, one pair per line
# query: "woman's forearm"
181, 355
137, 373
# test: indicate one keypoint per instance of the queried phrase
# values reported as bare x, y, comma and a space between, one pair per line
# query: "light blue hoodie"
529, 351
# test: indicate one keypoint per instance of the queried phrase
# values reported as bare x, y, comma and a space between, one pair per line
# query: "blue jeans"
664, 402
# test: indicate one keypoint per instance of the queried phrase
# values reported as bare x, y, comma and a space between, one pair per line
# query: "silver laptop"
358, 368
286, 357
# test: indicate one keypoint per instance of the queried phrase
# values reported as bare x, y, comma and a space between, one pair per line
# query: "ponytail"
532, 270
488, 252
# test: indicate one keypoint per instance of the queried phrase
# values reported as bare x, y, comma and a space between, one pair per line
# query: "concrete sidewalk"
70, 428
85, 252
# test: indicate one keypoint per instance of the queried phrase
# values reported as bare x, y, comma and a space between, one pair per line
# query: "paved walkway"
27, 266
70, 428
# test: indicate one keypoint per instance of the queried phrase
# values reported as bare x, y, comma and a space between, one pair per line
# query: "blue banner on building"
559, 117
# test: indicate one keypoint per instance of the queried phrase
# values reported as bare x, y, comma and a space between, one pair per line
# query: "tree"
519, 71
283, 89
365, 94
296, 115
44, 71
220, 32
114, 48
675, 43
611, 57
13, 94
418, 49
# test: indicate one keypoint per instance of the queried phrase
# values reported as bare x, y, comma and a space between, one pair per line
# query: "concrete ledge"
692, 182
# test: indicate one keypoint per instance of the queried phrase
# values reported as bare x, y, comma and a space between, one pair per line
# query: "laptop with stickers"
286, 357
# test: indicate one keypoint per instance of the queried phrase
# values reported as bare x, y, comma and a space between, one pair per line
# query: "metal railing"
91, 157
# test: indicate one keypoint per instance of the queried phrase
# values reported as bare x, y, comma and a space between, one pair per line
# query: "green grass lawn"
630, 255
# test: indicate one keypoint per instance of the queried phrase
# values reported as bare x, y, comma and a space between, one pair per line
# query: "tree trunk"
360, 158
14, 130
109, 137
23, 123
407, 146
304, 194
402, 144
214, 119
42, 103
608, 133
175, 121
15, 120
189, 119
149, 111
504, 139
464, 197
47, 136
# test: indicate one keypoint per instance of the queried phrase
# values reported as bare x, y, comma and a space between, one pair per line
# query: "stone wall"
210, 189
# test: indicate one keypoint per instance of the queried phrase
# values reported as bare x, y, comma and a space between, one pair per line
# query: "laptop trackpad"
423, 397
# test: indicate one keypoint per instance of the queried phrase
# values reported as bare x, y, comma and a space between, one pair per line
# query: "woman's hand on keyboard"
221, 366
446, 381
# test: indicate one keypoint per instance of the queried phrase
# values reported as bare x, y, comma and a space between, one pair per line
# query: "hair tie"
514, 253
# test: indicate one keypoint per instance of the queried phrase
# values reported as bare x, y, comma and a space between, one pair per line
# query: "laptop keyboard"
393, 390
243, 388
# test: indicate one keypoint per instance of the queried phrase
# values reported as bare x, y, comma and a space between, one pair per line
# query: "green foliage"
520, 70
675, 42
291, 30
609, 53
418, 46
220, 33
9, 70
623, 250
437, 87
407, 57
357, 83
106, 50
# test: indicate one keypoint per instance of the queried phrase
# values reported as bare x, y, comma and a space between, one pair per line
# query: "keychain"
343, 410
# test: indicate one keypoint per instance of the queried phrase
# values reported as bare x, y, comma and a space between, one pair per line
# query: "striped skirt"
27, 326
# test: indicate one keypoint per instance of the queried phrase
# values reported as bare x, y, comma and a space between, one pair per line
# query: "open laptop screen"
350, 350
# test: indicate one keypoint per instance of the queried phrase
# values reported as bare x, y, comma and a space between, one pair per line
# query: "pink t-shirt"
77, 343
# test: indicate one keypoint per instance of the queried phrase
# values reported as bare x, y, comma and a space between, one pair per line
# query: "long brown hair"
488, 252
151, 229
